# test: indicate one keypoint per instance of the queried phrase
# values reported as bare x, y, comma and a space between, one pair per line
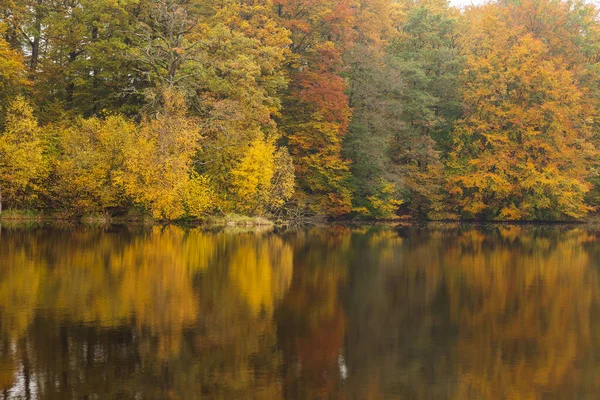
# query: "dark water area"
437, 312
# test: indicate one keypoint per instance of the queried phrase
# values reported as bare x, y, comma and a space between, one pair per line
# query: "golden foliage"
253, 175
198, 196
384, 203
22, 161
524, 315
158, 160
12, 72
262, 269
263, 178
524, 148
184, 294
91, 156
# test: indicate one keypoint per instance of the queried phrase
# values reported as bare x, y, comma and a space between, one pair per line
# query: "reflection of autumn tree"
430, 313
145, 313
238, 296
147, 279
20, 281
522, 305
473, 313
262, 269
312, 323
157, 287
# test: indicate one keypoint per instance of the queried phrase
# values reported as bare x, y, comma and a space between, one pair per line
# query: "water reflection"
311, 321
422, 313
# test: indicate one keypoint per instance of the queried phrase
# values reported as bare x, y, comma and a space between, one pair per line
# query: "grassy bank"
134, 217
234, 220
22, 215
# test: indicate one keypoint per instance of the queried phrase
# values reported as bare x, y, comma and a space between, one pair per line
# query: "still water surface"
444, 312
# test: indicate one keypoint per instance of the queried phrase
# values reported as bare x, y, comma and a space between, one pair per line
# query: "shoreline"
18, 217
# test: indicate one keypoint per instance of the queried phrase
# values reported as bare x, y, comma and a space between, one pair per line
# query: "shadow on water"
443, 311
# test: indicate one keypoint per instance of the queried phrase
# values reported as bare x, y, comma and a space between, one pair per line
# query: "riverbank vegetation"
186, 109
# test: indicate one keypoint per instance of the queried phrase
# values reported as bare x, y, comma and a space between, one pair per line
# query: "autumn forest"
182, 109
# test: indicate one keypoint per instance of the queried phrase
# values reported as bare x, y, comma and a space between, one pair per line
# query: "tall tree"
405, 102
157, 170
425, 55
375, 93
77, 54
316, 111
524, 149
236, 92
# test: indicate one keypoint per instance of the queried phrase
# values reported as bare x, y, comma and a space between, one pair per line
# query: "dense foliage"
374, 108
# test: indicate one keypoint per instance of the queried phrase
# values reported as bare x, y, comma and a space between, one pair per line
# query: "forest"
374, 109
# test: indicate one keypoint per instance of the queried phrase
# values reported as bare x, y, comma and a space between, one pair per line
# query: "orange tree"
316, 109
524, 149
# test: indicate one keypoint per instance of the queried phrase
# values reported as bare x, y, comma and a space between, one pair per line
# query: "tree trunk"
0, 198
95, 73
35, 44
71, 84
35, 51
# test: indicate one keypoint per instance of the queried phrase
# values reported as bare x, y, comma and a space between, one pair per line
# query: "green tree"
375, 93
77, 54
405, 100
425, 55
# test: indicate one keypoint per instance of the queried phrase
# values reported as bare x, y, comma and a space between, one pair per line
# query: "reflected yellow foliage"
523, 311
20, 281
166, 312
97, 279
497, 312
219, 289
262, 269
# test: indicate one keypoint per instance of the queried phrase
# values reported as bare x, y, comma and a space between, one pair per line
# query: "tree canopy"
337, 108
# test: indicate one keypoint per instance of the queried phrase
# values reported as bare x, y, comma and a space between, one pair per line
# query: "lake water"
438, 312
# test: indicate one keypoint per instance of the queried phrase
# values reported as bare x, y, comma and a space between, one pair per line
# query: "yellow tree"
12, 71
90, 156
524, 149
260, 179
157, 168
238, 79
22, 161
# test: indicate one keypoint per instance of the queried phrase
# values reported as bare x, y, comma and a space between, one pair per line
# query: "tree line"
344, 108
